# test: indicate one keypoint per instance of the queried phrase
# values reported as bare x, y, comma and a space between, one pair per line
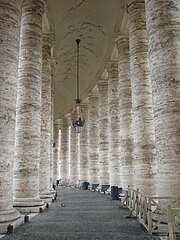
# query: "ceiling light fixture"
77, 116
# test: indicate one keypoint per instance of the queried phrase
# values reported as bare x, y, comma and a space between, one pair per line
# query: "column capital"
34, 5
122, 42
93, 95
85, 101
127, 3
95, 89
112, 65
57, 122
102, 82
84, 105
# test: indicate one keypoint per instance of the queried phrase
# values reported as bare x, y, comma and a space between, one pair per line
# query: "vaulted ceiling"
96, 23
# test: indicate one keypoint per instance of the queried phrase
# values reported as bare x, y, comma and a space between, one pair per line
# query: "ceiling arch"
95, 22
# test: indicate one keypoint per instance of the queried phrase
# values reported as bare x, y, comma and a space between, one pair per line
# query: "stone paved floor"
86, 216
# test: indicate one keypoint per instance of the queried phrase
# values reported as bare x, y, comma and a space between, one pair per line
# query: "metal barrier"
152, 214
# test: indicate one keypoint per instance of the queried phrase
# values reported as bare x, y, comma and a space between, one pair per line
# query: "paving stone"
85, 215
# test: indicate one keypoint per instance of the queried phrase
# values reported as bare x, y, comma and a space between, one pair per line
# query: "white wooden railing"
173, 222
152, 214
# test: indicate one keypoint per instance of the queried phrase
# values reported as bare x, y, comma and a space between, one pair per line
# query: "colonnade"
131, 131
9, 51
133, 117
26, 162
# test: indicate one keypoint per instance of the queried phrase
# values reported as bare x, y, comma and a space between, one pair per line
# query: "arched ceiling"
95, 22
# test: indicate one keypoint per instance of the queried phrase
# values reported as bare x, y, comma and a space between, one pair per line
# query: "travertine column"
143, 125
84, 168
65, 149
125, 106
114, 124
28, 109
163, 21
103, 141
93, 138
74, 157
53, 174
45, 160
56, 150
10, 12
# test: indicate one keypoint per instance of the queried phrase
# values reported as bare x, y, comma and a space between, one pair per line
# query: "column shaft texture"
114, 124
28, 109
10, 17
55, 167
74, 157
45, 160
103, 141
163, 27
52, 174
143, 124
56, 151
125, 106
65, 149
84, 168
93, 139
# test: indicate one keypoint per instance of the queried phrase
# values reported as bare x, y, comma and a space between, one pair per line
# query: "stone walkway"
85, 215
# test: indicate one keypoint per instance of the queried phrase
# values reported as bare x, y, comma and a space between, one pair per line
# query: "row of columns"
26, 162
133, 115
136, 134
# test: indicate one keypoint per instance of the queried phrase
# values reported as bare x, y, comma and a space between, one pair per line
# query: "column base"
10, 217
47, 197
53, 192
64, 182
72, 185
29, 205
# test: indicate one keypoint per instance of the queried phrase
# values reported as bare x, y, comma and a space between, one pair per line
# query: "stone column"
74, 158
56, 151
84, 168
28, 110
143, 124
125, 117
93, 139
103, 141
164, 37
65, 149
114, 124
53, 174
10, 12
45, 160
